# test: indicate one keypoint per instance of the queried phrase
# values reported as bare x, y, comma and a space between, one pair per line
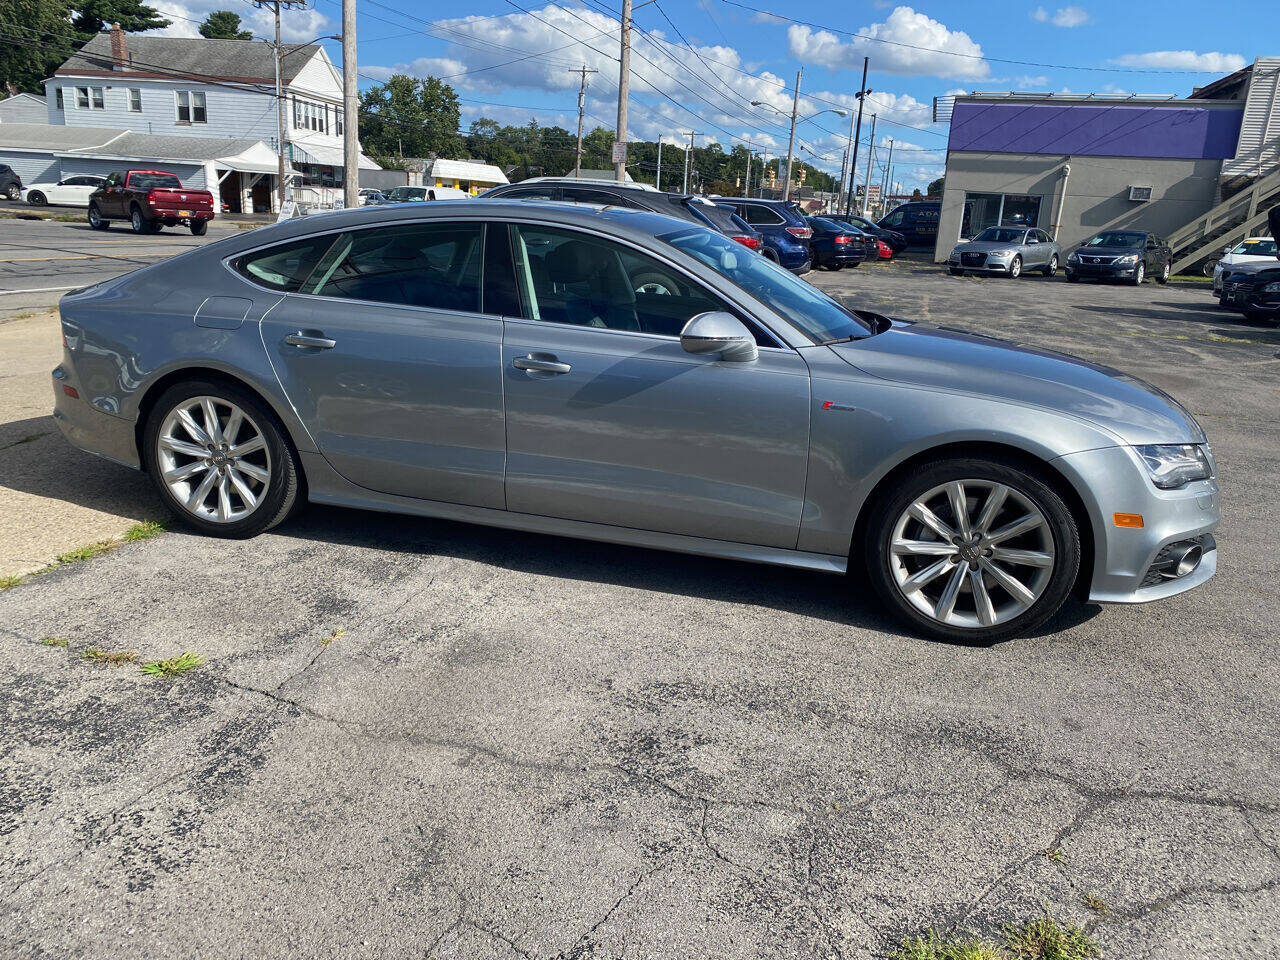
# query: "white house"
212, 90
22, 108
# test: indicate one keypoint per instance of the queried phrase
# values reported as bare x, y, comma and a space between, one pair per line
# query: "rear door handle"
541, 362
301, 339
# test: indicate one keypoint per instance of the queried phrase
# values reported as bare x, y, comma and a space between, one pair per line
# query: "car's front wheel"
955, 271
36, 198
1015, 268
220, 459
1139, 275
1051, 268
96, 220
972, 550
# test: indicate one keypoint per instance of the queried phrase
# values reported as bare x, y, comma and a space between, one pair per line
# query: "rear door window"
283, 267
760, 216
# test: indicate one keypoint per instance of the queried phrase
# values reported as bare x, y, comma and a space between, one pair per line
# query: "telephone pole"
350, 100
688, 156
746, 181
888, 177
871, 152
791, 141
624, 86
854, 137
582, 105
657, 181
280, 122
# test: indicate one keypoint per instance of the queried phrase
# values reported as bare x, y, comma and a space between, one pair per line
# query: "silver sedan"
1007, 251
619, 375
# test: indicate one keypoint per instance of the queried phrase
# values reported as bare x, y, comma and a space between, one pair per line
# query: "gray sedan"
624, 376
1008, 251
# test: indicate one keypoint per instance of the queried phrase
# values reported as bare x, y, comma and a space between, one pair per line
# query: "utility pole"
888, 179
791, 141
350, 100
854, 137
657, 181
624, 86
746, 181
582, 105
871, 152
844, 162
280, 123
688, 156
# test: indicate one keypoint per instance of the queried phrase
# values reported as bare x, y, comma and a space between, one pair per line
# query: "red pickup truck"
149, 199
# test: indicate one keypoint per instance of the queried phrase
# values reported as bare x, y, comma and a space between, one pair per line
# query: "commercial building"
1196, 170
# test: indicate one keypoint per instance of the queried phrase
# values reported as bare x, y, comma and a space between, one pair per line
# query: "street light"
795, 111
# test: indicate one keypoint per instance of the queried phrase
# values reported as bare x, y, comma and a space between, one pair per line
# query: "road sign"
619, 152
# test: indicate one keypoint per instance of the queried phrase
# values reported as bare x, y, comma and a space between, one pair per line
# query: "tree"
410, 117
43, 26
935, 188
134, 16
916, 194
223, 25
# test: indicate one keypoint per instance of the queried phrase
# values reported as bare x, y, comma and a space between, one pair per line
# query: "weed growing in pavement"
1095, 902
144, 531
81, 554
28, 438
333, 636
9, 582
139, 531
1043, 938
1054, 855
932, 947
112, 658
54, 641
174, 666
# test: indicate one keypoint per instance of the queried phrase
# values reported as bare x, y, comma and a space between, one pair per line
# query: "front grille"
1098, 261
1162, 559
973, 259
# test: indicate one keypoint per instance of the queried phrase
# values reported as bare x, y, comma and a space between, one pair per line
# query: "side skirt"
325, 486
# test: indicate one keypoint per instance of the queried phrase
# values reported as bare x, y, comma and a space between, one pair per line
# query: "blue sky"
697, 64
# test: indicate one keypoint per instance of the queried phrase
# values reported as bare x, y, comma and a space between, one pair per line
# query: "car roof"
587, 182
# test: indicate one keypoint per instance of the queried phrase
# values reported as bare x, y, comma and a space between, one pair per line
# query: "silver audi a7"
619, 375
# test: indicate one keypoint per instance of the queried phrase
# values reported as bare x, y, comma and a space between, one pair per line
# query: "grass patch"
1043, 938
1096, 903
174, 666
54, 641
333, 636
1054, 855
80, 554
112, 658
9, 581
1198, 279
144, 531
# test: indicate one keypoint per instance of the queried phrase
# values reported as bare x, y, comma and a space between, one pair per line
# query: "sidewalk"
53, 498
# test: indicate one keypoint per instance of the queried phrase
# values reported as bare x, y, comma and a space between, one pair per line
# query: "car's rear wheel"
1015, 268
1164, 273
972, 550
138, 221
220, 459
36, 198
199, 227
1051, 268
96, 219
13, 191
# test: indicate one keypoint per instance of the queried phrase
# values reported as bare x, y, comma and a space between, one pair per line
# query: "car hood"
1108, 251
1256, 265
953, 360
982, 246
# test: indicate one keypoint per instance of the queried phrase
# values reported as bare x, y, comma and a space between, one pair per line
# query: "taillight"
883, 249
802, 233
841, 240
751, 243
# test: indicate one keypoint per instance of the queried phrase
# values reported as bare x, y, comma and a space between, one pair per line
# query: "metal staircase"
1237, 217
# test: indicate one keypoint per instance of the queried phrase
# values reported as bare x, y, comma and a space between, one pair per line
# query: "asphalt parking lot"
420, 738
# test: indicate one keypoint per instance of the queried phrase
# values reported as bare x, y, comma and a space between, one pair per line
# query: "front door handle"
541, 363
301, 339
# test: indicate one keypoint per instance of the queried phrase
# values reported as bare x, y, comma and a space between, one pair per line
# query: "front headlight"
999, 253
1074, 257
1271, 288
1174, 465
1133, 258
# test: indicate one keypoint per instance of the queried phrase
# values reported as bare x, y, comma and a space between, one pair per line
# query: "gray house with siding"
23, 108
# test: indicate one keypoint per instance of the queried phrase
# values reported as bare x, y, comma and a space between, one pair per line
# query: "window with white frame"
60, 104
89, 98
135, 100
190, 106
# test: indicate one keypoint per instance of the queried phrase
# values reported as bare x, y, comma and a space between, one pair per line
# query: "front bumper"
1107, 271
1112, 481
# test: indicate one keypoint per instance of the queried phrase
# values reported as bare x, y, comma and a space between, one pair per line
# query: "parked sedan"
69, 191
1128, 255
1008, 251
1248, 251
835, 245
624, 376
894, 240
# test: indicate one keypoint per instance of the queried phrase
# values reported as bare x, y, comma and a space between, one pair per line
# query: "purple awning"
1096, 129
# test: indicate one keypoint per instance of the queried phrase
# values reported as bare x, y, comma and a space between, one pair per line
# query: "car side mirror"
719, 332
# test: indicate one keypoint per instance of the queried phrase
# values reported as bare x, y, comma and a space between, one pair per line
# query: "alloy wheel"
972, 553
1015, 268
214, 459
1053, 266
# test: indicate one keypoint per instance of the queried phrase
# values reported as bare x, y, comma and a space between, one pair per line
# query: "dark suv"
916, 220
10, 182
783, 228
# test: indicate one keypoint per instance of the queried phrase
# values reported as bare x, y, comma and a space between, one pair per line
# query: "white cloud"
1062, 17
296, 26
1187, 60
906, 43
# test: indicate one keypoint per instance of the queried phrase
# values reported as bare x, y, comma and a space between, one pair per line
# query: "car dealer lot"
413, 735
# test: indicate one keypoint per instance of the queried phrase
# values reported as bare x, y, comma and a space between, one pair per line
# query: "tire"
770, 254
138, 221
199, 228
96, 220
1015, 268
13, 191
1051, 268
1164, 273
835, 265
955, 271
37, 199
1072, 278
277, 495
1209, 267
1139, 275
1055, 538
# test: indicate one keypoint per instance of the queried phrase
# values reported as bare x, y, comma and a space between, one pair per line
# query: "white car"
1250, 250
69, 191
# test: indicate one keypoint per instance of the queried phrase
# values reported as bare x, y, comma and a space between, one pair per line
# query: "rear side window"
431, 265
581, 195
528, 193
286, 266
761, 216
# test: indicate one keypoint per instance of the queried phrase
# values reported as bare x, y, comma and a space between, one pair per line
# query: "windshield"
1257, 248
816, 314
408, 193
146, 181
1000, 235
1116, 238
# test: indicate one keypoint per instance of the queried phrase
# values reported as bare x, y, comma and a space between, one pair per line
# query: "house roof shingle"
197, 57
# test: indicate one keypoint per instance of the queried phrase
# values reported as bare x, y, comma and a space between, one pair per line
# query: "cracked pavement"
537, 747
